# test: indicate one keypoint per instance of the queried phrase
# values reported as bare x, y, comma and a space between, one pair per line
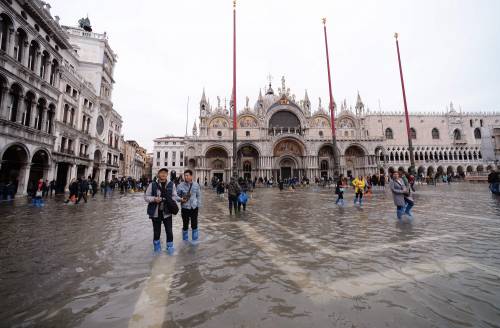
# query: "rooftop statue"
85, 24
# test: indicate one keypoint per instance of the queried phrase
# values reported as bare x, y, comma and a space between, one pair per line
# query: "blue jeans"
400, 211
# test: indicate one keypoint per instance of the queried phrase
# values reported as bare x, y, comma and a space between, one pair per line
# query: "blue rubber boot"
156, 246
361, 202
170, 248
185, 235
195, 234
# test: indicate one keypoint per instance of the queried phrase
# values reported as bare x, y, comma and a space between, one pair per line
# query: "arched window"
21, 37
44, 64
457, 135
389, 134
5, 27
477, 133
53, 72
413, 133
435, 133
33, 52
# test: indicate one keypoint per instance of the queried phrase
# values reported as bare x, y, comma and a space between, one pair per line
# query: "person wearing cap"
158, 211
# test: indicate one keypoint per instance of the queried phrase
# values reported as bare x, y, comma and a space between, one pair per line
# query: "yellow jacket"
359, 185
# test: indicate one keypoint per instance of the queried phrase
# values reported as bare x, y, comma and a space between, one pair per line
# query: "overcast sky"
170, 50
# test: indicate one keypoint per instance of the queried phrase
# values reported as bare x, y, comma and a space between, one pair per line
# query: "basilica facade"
281, 136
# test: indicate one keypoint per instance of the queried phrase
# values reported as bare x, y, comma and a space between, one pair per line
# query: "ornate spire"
204, 105
360, 107
307, 103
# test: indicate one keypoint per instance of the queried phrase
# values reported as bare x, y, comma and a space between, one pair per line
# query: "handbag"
243, 198
38, 193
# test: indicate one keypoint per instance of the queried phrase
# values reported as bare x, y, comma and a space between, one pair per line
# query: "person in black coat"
83, 189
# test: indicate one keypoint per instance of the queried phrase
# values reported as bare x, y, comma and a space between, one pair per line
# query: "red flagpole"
408, 131
235, 173
336, 165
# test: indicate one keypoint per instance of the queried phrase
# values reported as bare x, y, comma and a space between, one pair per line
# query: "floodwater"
293, 259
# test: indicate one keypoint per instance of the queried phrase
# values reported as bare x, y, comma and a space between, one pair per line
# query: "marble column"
23, 179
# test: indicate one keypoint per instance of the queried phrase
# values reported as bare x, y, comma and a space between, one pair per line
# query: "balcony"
276, 131
459, 141
66, 151
82, 155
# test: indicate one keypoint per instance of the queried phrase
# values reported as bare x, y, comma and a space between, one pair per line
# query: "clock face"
100, 125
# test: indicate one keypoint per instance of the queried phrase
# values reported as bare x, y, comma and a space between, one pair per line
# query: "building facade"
57, 120
134, 160
281, 136
168, 152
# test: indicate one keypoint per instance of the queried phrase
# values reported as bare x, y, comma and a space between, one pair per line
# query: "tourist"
161, 197
233, 191
45, 189
359, 187
401, 195
339, 190
83, 190
494, 181
190, 197
52, 187
37, 199
93, 183
73, 191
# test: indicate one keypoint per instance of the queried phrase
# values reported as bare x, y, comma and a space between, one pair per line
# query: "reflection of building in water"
282, 137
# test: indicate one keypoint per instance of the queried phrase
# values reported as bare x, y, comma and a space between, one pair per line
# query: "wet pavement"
293, 259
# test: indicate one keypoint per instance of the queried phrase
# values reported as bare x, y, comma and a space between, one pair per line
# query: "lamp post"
408, 129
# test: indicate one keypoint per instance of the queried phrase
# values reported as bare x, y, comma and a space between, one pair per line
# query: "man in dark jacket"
83, 190
233, 191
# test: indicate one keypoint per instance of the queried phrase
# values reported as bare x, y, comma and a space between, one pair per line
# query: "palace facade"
281, 136
57, 120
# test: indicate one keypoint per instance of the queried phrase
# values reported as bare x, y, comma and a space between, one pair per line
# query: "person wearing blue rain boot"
399, 190
339, 190
156, 246
189, 193
194, 235
170, 248
185, 235
161, 197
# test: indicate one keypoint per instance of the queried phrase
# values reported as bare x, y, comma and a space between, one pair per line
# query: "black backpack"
171, 206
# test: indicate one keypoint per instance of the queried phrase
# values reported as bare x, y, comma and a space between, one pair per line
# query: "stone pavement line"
150, 308
358, 251
458, 215
321, 292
